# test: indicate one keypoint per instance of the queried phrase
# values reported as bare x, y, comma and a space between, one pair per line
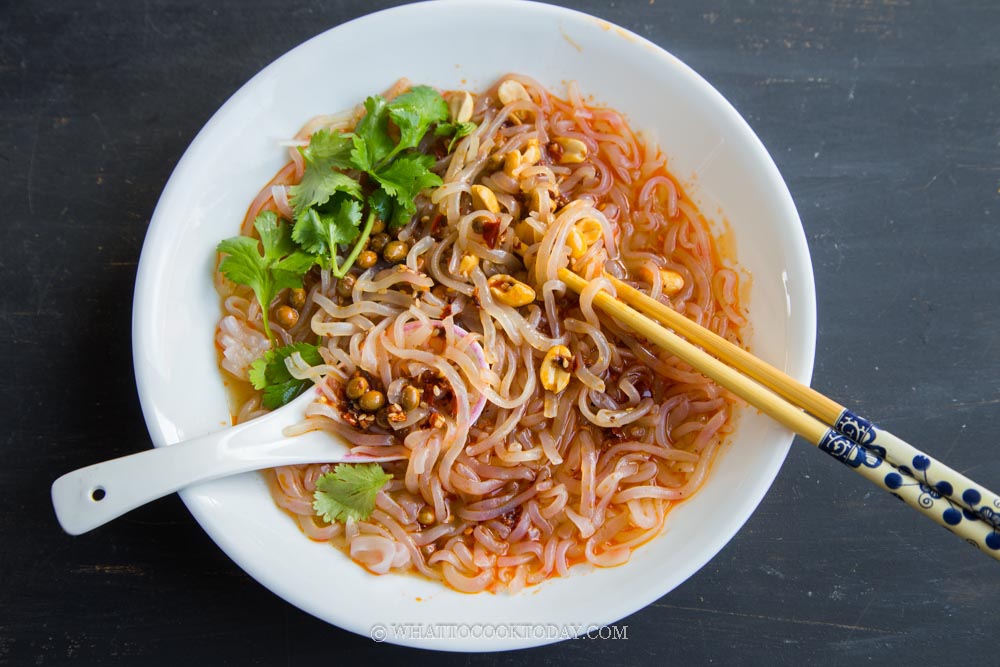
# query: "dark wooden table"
883, 117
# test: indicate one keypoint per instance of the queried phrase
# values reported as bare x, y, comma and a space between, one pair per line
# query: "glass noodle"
499, 483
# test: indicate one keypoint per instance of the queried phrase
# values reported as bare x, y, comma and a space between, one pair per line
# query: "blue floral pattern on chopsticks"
860, 430
849, 452
868, 435
855, 455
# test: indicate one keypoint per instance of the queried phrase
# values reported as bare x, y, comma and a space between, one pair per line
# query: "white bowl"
711, 149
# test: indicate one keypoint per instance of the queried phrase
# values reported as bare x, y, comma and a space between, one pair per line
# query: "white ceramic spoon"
90, 497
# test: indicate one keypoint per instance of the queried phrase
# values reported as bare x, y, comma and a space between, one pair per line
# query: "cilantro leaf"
280, 265
243, 263
311, 231
328, 147
273, 236
258, 372
348, 491
288, 271
382, 204
326, 152
321, 232
454, 130
270, 373
403, 180
414, 112
371, 140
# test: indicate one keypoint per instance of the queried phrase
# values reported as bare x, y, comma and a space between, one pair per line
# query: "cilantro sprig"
350, 180
373, 172
348, 491
271, 374
280, 265
326, 153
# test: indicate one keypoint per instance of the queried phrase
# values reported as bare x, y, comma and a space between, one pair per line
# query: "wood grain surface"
883, 117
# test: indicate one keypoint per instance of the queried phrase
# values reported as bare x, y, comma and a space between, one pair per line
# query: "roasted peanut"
460, 105
539, 195
590, 230
672, 281
525, 232
554, 373
510, 291
575, 243
511, 163
467, 264
531, 153
574, 151
584, 234
512, 91
483, 198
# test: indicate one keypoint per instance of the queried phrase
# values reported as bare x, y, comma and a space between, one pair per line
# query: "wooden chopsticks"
965, 508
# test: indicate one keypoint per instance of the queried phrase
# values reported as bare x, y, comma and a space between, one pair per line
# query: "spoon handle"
90, 497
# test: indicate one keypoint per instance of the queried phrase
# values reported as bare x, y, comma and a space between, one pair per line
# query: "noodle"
500, 479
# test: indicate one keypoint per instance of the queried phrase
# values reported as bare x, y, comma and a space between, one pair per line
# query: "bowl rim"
799, 359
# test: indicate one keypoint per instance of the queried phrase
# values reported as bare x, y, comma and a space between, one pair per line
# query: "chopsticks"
934, 474
965, 508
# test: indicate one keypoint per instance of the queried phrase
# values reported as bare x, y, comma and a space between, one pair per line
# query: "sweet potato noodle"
499, 483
